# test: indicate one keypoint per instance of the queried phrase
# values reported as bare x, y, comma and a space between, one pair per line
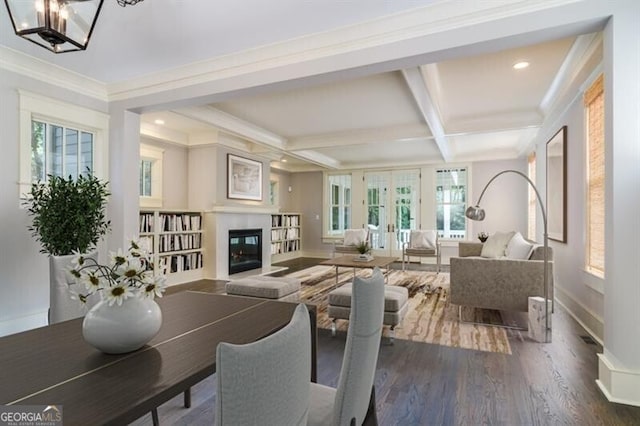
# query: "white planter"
61, 306
120, 329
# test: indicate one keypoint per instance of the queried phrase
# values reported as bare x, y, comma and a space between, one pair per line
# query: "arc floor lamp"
478, 213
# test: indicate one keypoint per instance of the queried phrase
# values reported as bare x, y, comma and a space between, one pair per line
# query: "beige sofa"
503, 284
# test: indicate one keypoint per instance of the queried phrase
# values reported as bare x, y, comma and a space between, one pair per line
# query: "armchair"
498, 283
352, 238
422, 243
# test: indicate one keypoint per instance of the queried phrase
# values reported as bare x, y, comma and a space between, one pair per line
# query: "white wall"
574, 287
24, 273
174, 174
504, 202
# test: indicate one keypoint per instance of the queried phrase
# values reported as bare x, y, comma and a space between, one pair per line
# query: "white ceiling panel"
377, 101
486, 92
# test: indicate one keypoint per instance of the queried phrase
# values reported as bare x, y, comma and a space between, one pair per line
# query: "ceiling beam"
233, 125
428, 109
360, 137
252, 133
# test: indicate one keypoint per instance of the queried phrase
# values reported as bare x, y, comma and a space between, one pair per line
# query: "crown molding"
385, 31
20, 63
163, 134
580, 53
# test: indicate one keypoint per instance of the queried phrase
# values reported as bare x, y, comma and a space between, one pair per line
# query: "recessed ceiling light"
284, 160
520, 65
159, 121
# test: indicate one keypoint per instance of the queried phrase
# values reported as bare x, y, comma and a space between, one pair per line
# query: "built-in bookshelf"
286, 238
174, 239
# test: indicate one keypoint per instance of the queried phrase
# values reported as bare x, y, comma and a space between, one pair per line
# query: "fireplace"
245, 250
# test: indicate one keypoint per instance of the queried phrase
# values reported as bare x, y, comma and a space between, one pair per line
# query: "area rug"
430, 318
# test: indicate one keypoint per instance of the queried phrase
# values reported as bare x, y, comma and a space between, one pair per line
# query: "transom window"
60, 151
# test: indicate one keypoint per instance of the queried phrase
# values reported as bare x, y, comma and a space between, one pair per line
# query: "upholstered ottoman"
279, 288
395, 306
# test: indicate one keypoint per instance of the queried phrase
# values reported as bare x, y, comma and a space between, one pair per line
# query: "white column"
124, 176
619, 365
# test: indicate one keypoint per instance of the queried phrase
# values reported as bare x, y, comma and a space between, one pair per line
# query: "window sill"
592, 281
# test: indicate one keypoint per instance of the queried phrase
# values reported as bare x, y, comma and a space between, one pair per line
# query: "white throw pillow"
353, 237
519, 248
496, 244
423, 239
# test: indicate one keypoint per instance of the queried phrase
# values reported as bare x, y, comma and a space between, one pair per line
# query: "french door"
392, 208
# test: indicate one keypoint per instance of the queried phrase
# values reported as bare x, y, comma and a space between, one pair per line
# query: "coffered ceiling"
468, 107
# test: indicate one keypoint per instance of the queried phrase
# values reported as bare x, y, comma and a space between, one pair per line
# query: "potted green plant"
68, 216
364, 249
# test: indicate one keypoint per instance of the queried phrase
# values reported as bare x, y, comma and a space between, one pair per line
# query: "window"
451, 202
339, 196
594, 106
145, 177
60, 151
60, 139
151, 176
273, 192
532, 206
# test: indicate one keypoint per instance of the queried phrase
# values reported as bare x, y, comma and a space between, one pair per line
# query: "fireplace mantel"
244, 209
218, 221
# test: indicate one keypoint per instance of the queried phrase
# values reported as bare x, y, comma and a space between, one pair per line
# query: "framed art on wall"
557, 186
244, 178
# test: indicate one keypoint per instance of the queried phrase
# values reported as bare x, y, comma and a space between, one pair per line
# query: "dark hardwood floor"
425, 384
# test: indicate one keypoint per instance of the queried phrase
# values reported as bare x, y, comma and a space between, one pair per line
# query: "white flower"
118, 293
79, 260
155, 288
117, 258
137, 249
78, 296
125, 276
92, 281
132, 269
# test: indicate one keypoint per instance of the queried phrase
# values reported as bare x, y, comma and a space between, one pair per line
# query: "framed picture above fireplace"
244, 178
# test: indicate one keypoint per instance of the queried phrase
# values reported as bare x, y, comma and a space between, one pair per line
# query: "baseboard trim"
622, 387
587, 319
28, 322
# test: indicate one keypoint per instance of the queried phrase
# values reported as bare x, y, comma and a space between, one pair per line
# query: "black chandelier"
123, 3
57, 25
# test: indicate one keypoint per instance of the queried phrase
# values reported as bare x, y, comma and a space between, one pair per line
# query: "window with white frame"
338, 189
594, 108
451, 202
151, 176
273, 192
531, 195
57, 138
60, 151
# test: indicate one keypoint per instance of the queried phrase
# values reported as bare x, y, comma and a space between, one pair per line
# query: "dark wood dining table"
53, 365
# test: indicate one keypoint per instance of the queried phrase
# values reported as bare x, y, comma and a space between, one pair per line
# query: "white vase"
61, 306
120, 329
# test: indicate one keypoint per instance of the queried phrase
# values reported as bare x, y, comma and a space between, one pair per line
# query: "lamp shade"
475, 213
57, 25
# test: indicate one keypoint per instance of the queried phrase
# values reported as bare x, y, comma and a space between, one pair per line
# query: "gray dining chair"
353, 402
266, 382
